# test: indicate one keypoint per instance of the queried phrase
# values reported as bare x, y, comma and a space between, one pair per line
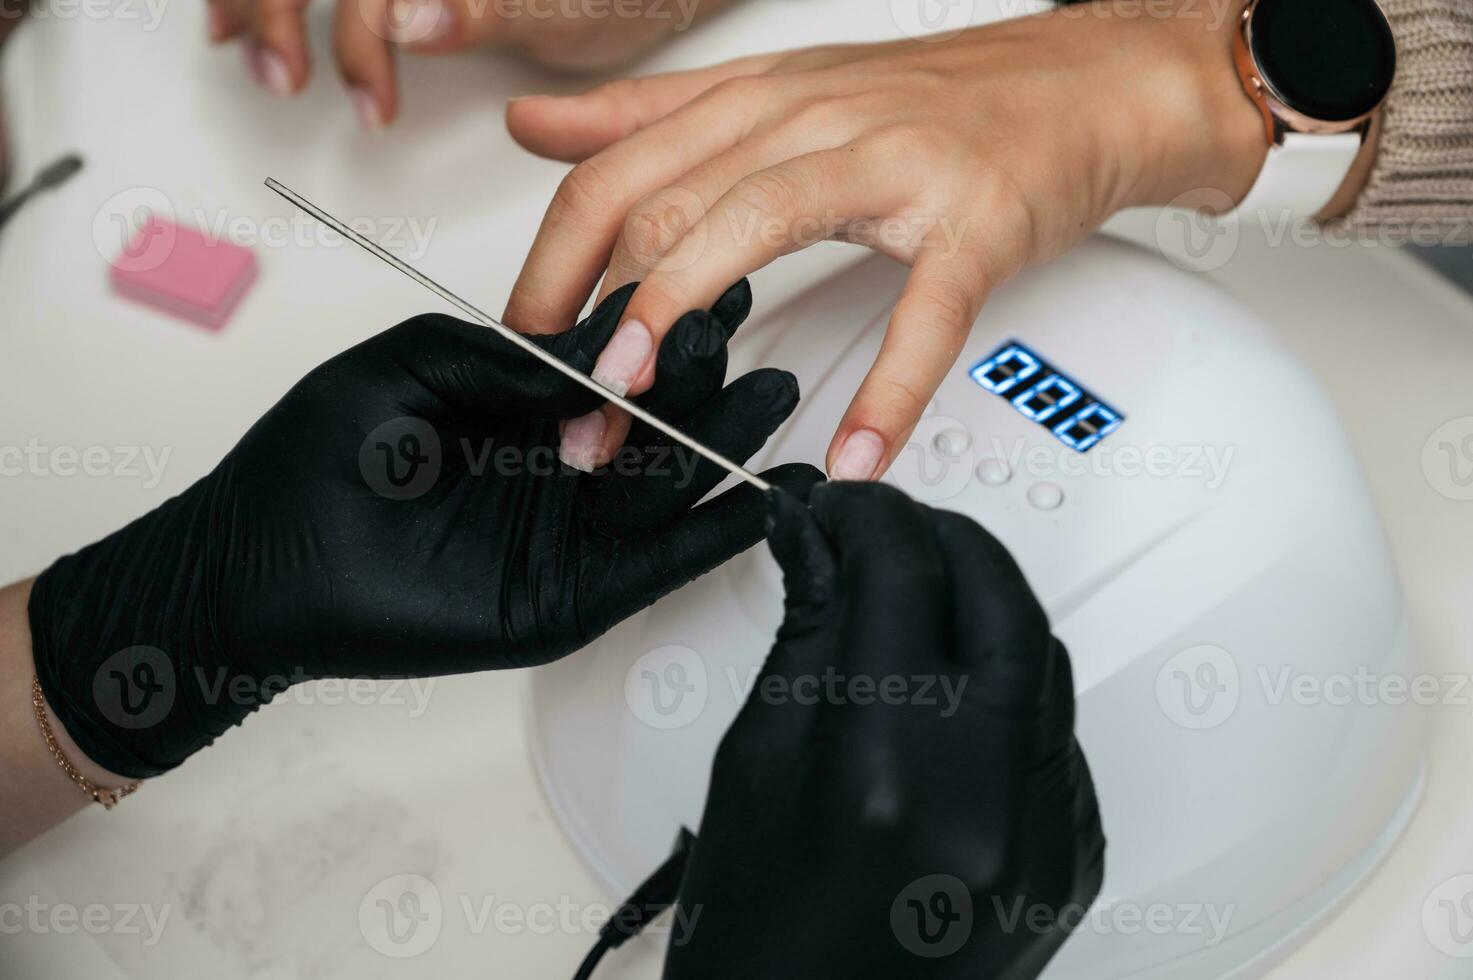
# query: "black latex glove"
401, 512
895, 838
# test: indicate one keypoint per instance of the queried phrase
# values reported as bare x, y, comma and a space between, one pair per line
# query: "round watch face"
1330, 60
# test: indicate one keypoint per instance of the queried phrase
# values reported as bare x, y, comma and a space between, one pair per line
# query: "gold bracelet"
107, 797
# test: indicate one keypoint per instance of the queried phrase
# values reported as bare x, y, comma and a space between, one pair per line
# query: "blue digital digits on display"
1047, 396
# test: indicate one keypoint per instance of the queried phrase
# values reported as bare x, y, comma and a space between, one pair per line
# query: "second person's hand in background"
368, 34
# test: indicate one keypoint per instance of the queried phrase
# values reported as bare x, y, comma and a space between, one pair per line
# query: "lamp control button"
994, 472
1046, 496
951, 443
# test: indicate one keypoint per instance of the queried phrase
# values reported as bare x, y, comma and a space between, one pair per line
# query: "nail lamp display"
1180, 494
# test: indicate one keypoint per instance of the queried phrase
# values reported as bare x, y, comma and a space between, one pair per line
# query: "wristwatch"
1317, 70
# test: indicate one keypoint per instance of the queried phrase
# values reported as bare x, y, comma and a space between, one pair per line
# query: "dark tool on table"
51, 177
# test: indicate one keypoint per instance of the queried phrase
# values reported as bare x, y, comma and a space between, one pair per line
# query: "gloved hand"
902, 791
401, 512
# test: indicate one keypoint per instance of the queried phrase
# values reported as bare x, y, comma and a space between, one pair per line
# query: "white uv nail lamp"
1180, 494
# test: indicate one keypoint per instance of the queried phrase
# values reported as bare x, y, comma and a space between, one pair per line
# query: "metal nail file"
512, 336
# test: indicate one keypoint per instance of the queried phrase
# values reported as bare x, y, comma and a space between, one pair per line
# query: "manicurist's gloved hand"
402, 511
902, 794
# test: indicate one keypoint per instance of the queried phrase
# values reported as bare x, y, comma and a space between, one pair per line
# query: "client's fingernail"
278, 77
369, 114
859, 457
624, 358
419, 21
269, 69
582, 441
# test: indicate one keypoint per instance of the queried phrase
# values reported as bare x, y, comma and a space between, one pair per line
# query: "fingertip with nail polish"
269, 69
370, 115
859, 456
582, 441
625, 357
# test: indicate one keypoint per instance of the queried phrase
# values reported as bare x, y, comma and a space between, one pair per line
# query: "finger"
801, 648
695, 355
733, 308
1089, 838
1054, 707
810, 572
700, 347
716, 531
277, 54
926, 333
450, 371
577, 234
590, 336
592, 441
226, 19
896, 601
694, 358
767, 214
658, 222
365, 60
809, 564
665, 479
1002, 635
998, 616
574, 127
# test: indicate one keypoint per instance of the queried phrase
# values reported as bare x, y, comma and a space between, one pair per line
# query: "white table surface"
263, 849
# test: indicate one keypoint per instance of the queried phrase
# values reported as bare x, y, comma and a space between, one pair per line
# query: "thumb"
573, 128
807, 559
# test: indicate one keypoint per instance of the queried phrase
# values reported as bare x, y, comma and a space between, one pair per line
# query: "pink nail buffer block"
178, 270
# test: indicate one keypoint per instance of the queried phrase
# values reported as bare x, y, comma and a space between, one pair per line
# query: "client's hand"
902, 794
966, 158
368, 33
401, 512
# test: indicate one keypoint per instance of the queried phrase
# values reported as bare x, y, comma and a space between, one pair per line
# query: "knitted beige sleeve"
1421, 184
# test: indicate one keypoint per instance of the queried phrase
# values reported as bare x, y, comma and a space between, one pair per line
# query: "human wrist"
14, 609
16, 648
1200, 130
125, 646
39, 792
